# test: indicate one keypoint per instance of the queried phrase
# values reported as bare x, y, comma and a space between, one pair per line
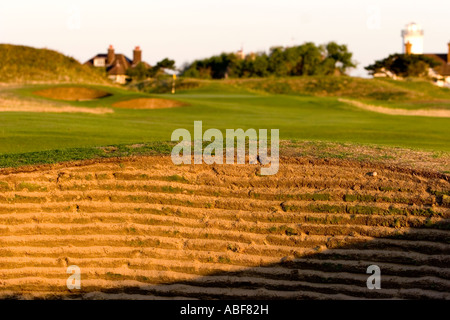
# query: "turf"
298, 117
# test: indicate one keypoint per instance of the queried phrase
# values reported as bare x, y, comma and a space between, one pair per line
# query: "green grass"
406, 94
71, 154
27, 138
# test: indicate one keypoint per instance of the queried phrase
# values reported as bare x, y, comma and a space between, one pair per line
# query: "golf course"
218, 105
86, 180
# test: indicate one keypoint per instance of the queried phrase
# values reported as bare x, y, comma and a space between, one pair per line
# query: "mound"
72, 93
145, 228
22, 64
335, 86
376, 89
148, 103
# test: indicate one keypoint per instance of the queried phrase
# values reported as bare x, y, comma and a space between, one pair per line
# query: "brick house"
116, 65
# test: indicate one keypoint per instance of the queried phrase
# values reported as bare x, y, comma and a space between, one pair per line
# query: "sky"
185, 30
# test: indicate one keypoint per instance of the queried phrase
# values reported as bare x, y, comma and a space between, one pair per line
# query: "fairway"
87, 183
232, 160
297, 117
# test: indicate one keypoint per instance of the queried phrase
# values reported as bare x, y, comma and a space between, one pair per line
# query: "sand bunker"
72, 93
57, 109
399, 112
12, 104
148, 103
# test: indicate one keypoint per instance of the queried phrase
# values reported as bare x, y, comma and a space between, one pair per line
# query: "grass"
27, 138
25, 64
72, 154
306, 196
410, 90
30, 187
361, 209
223, 259
177, 178
4, 186
407, 94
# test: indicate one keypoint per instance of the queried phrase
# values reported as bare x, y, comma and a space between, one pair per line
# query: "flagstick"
173, 83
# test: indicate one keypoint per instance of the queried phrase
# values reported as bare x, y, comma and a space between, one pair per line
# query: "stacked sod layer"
144, 228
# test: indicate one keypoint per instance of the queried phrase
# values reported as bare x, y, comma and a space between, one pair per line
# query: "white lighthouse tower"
412, 37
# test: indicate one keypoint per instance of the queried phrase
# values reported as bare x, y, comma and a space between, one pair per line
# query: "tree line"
305, 59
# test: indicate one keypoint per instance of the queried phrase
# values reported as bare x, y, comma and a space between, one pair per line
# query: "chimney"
408, 46
137, 55
111, 55
448, 53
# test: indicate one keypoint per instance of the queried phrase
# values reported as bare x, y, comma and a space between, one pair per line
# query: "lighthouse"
412, 39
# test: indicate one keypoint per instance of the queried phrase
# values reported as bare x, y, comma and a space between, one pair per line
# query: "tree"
403, 65
140, 72
311, 58
166, 63
338, 57
277, 62
260, 65
158, 69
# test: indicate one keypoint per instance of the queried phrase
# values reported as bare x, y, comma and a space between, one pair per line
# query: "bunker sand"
398, 112
72, 93
149, 103
12, 104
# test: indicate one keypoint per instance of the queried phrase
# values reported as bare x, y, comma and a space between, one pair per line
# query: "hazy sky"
188, 29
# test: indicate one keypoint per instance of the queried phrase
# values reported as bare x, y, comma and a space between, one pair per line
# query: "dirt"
72, 93
148, 103
143, 228
399, 112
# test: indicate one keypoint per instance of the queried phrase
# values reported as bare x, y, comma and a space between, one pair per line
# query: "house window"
99, 62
